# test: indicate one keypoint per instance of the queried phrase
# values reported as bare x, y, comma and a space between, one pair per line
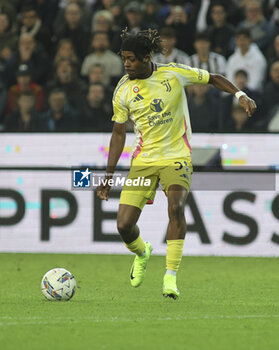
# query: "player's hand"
248, 104
103, 191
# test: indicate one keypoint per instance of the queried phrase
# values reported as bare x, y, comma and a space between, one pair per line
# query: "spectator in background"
236, 14
101, 54
86, 12
239, 120
204, 109
274, 51
96, 114
271, 10
248, 57
134, 17
24, 84
8, 8
273, 125
8, 42
60, 116
171, 12
8, 38
103, 21
47, 10
67, 80
261, 30
204, 58
32, 24
271, 91
88, 3
275, 17
5, 55
171, 53
151, 12
74, 29
220, 31
228, 101
113, 6
97, 75
25, 117
33, 55
202, 12
65, 49
177, 16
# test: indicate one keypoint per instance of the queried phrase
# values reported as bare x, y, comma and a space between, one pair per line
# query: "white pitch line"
39, 321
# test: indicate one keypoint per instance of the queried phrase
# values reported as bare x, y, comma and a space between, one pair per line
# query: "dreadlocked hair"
145, 42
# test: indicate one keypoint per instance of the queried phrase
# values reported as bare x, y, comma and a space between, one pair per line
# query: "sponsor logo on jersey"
138, 98
159, 119
157, 105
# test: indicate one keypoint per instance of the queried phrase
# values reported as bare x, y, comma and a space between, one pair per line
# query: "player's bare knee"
127, 230
124, 227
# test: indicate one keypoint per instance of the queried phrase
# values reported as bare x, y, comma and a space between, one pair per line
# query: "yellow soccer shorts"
146, 177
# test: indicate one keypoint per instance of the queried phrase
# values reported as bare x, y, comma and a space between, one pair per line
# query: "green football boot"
139, 266
169, 287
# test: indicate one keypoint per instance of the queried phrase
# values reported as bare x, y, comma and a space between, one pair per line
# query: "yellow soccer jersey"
158, 107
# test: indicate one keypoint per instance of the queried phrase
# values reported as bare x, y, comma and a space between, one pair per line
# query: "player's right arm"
116, 146
118, 137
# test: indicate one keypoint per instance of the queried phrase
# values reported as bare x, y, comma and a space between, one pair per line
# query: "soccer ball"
58, 284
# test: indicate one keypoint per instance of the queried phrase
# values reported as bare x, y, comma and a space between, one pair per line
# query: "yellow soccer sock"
174, 253
137, 246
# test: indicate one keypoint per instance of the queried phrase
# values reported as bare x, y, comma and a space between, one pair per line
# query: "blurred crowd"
59, 60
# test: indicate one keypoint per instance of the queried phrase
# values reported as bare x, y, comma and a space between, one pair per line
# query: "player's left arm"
223, 84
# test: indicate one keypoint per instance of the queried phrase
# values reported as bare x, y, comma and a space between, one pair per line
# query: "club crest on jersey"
157, 105
166, 84
136, 89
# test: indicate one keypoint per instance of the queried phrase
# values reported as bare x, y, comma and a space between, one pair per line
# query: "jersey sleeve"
120, 110
189, 75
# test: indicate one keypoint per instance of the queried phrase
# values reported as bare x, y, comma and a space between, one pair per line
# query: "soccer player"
153, 97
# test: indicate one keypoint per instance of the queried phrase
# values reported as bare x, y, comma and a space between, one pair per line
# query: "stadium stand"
48, 47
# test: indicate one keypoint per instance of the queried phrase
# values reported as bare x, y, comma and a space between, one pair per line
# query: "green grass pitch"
225, 303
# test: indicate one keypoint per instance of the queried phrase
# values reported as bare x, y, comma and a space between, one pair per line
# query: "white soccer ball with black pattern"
58, 285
